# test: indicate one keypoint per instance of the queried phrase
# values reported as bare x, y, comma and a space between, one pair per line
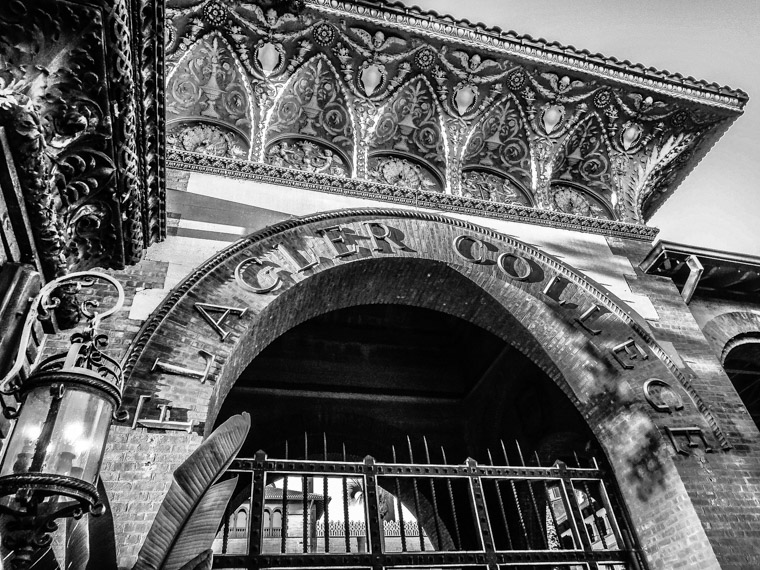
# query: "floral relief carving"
411, 123
572, 201
68, 104
492, 187
313, 104
398, 171
308, 156
206, 139
208, 83
585, 158
500, 141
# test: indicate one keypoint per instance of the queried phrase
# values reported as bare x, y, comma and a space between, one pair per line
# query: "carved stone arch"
591, 344
313, 106
209, 84
500, 141
411, 123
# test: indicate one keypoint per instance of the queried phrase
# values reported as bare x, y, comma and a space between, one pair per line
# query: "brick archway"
591, 344
731, 329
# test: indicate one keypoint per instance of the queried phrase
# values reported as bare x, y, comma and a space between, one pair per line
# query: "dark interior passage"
369, 376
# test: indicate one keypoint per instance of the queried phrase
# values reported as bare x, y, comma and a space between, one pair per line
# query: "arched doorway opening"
594, 349
742, 364
417, 389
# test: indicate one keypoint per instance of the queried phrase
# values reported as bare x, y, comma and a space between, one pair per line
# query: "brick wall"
686, 510
724, 486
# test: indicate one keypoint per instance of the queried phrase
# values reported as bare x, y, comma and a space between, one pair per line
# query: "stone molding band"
241, 169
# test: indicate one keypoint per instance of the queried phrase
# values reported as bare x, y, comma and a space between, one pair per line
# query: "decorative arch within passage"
586, 340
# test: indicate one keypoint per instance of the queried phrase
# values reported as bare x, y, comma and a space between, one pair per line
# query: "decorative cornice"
270, 174
541, 50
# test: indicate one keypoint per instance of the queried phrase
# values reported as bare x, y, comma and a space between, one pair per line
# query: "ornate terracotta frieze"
423, 102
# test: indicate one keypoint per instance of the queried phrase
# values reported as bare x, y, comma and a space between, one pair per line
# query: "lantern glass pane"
76, 447
23, 443
60, 436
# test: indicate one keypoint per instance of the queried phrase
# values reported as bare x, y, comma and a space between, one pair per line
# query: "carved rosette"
337, 76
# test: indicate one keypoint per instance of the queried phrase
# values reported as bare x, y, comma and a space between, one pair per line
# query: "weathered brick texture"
724, 486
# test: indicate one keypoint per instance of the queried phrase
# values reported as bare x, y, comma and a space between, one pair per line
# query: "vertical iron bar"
226, 529
284, 515
346, 529
533, 498
324, 446
416, 498
305, 446
400, 506
501, 507
305, 495
326, 502
549, 505
573, 509
517, 500
589, 498
453, 505
433, 496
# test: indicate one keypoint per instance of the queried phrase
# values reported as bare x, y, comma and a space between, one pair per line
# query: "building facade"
415, 252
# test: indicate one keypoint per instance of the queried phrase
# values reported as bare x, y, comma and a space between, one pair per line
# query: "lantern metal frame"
38, 499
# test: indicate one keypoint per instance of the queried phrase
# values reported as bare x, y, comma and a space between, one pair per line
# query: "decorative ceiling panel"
379, 93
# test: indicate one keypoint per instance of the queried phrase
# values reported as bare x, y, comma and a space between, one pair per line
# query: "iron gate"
303, 514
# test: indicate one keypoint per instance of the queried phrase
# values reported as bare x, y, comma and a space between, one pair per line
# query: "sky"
718, 204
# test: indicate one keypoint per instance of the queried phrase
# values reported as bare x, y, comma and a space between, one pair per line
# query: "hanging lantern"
268, 57
552, 116
631, 135
465, 98
371, 77
52, 458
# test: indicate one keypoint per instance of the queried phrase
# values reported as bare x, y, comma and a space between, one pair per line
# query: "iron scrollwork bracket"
41, 310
